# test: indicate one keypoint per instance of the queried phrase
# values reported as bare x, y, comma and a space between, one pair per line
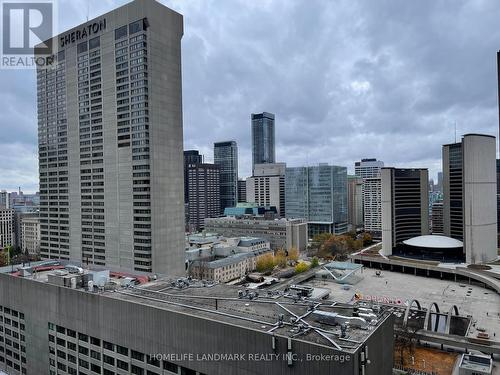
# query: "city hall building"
110, 142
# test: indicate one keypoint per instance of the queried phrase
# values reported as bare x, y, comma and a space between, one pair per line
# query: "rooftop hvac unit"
331, 318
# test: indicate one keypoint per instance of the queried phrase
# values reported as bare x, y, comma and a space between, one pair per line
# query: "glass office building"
319, 195
226, 156
263, 151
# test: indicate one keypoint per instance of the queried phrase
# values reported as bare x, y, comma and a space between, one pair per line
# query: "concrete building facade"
263, 138
469, 184
437, 223
405, 206
226, 156
372, 206
355, 201
281, 234
368, 168
204, 194
267, 186
30, 234
110, 142
319, 195
7, 235
51, 329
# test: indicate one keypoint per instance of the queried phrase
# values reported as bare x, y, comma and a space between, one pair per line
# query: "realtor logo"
24, 25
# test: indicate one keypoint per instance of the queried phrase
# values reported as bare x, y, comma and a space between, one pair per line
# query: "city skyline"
375, 85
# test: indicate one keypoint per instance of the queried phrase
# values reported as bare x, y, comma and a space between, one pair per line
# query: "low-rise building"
225, 259
7, 234
30, 233
281, 233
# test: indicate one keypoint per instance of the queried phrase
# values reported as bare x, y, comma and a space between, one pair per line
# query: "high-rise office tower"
263, 133
470, 190
226, 156
204, 193
267, 186
242, 191
110, 142
190, 157
368, 168
372, 206
319, 195
369, 171
405, 206
355, 201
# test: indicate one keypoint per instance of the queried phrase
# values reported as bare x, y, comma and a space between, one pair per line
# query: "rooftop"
434, 241
285, 313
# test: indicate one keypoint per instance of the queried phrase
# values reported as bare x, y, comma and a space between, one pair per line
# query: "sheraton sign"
83, 33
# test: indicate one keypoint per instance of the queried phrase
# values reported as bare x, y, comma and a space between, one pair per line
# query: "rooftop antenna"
455, 132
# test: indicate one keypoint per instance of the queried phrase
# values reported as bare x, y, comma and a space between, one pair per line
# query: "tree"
293, 254
367, 239
280, 258
314, 262
4, 258
265, 263
301, 267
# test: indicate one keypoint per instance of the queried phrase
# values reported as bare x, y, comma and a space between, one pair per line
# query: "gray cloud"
346, 80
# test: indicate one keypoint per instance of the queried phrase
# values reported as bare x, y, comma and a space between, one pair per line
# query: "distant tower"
226, 155
263, 151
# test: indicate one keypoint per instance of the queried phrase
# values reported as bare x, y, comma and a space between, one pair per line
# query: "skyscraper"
267, 186
469, 189
319, 195
372, 206
110, 142
226, 156
204, 193
405, 206
263, 133
369, 171
355, 201
190, 157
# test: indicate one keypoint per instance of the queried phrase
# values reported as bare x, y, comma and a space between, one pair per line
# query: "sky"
346, 79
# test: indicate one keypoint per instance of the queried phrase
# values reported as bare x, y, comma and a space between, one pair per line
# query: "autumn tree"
301, 267
265, 263
293, 254
280, 258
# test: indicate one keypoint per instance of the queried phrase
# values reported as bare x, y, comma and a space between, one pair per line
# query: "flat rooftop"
401, 288
262, 313
284, 313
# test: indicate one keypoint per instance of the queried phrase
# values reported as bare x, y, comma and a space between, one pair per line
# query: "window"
121, 32
94, 43
137, 26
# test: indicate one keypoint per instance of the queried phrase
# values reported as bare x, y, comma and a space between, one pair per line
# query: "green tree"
314, 262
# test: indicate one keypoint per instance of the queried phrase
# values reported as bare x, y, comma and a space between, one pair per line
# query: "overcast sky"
346, 79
